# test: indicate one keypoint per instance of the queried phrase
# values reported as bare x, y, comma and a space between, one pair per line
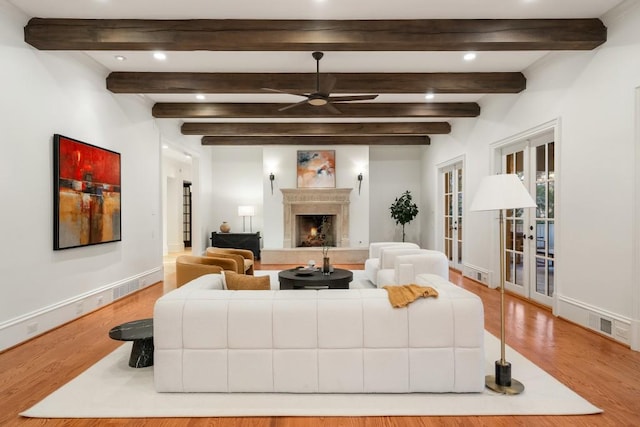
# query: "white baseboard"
476, 273
19, 329
612, 325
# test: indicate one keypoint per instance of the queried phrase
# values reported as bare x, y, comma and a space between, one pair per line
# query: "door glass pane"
520, 164
551, 159
551, 239
459, 251
519, 235
510, 164
550, 276
540, 238
508, 234
519, 268
551, 199
541, 170
447, 182
459, 179
509, 268
541, 199
540, 275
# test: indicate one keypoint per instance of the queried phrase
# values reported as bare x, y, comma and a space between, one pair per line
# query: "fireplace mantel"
316, 201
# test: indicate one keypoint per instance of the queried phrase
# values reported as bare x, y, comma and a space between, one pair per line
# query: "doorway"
452, 178
529, 253
186, 214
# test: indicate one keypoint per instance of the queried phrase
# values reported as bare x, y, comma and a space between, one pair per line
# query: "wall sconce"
244, 212
272, 178
359, 182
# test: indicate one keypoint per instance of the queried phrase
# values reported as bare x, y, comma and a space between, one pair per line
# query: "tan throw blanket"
401, 296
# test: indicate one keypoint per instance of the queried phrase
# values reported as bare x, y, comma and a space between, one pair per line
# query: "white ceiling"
200, 61
315, 9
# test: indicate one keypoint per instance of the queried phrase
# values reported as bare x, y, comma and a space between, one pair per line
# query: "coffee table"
305, 279
141, 333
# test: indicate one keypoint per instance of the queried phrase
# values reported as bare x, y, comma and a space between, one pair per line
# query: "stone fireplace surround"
315, 201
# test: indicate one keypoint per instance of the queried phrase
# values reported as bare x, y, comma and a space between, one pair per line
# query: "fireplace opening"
315, 230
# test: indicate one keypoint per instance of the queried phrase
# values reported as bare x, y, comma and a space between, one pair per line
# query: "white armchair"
372, 264
407, 266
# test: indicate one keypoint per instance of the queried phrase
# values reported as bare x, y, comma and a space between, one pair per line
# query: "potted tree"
403, 210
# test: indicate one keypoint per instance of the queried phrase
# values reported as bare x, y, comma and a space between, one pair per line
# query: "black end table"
141, 333
301, 279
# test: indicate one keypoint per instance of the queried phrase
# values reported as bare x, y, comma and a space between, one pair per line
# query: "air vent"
606, 326
125, 289
600, 324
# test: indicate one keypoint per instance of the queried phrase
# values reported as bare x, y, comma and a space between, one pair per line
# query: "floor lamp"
500, 192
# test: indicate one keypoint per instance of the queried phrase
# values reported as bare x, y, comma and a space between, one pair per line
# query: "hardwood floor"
602, 371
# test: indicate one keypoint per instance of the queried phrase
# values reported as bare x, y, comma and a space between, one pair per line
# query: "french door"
453, 208
530, 233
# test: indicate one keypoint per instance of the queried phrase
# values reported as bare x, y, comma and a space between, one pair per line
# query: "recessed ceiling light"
165, 146
469, 56
200, 96
429, 95
120, 58
160, 56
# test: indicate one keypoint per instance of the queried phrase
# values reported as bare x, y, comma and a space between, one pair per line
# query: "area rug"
111, 389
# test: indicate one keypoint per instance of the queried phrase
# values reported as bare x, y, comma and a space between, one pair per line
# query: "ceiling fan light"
317, 101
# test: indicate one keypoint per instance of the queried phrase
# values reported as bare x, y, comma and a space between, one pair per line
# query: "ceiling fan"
322, 96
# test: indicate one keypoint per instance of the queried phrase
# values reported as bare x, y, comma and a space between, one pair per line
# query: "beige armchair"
242, 257
189, 267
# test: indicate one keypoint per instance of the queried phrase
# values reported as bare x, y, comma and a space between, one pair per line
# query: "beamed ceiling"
399, 59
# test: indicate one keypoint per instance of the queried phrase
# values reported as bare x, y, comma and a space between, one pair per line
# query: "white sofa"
401, 266
372, 264
305, 341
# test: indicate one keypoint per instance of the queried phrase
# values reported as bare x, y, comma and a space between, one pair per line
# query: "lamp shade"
504, 191
246, 210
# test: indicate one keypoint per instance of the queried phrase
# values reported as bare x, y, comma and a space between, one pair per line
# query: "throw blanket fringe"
401, 296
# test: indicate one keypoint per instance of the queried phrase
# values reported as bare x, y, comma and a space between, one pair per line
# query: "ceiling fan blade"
332, 108
327, 84
352, 98
293, 105
286, 93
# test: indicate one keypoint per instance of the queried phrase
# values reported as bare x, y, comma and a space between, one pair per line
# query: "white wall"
394, 170
240, 176
56, 92
592, 96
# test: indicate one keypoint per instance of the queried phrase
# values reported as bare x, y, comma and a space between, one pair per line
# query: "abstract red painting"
86, 194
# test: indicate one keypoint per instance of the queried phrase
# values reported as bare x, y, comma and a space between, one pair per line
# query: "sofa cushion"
240, 282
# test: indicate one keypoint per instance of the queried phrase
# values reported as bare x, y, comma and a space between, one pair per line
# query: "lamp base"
502, 382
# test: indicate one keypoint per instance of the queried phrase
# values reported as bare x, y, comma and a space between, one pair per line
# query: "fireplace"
315, 231
330, 203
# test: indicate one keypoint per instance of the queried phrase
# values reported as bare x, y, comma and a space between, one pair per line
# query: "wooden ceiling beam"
315, 140
347, 83
315, 129
356, 109
309, 35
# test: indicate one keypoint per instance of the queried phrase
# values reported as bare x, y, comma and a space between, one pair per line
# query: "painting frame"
87, 202
316, 169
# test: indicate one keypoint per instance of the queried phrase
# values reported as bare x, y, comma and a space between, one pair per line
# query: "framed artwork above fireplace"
316, 169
